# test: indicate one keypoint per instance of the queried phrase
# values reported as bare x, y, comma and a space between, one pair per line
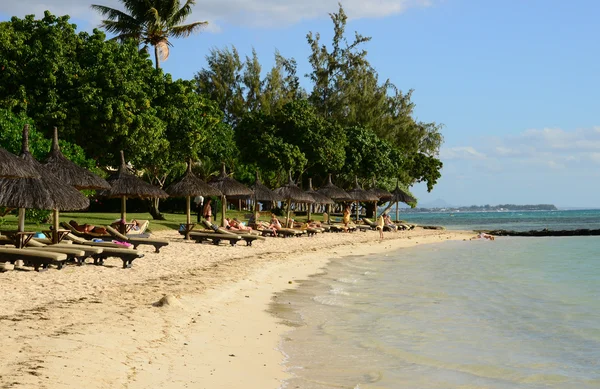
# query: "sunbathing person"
87, 228
275, 224
388, 222
236, 225
314, 223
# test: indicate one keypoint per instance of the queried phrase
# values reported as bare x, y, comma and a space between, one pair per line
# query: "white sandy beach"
98, 327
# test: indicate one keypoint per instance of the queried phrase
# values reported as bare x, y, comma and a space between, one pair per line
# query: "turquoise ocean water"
512, 313
518, 221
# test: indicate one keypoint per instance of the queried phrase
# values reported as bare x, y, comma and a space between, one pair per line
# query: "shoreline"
97, 326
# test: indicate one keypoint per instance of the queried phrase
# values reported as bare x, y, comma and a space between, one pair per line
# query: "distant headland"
486, 208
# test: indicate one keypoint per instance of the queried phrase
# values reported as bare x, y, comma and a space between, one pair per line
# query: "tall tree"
237, 87
150, 23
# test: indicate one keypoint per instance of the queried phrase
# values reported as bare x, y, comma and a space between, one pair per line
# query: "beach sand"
101, 327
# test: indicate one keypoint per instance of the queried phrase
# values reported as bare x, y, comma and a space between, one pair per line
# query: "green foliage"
37, 216
294, 138
11, 134
237, 86
98, 93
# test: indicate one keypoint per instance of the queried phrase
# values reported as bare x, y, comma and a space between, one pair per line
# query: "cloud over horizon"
250, 13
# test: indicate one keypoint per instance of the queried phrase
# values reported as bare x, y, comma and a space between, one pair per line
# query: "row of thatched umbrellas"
26, 183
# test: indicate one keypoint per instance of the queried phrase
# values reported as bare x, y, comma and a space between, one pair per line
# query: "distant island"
486, 208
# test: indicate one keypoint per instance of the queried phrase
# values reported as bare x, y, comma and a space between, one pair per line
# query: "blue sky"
515, 83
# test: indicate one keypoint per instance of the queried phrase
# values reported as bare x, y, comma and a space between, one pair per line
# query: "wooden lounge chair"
214, 237
109, 249
246, 237
157, 243
40, 260
88, 251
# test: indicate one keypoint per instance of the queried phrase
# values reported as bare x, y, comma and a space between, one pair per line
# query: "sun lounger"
89, 252
246, 237
214, 237
40, 260
127, 255
157, 243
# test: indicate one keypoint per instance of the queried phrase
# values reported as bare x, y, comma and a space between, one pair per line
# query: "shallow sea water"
512, 313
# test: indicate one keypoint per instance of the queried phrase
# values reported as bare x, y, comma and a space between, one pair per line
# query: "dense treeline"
105, 96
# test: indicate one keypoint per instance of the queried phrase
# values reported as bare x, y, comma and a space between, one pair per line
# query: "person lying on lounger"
235, 225
388, 222
86, 228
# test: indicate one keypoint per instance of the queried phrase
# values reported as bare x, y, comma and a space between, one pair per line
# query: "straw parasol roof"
190, 185
262, 193
230, 187
292, 192
125, 184
70, 173
318, 197
398, 195
382, 194
359, 194
12, 166
45, 192
333, 192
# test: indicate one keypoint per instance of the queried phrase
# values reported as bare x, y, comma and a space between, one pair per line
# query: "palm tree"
150, 22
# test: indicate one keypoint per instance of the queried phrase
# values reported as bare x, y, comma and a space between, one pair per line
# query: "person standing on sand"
207, 211
380, 224
199, 201
346, 216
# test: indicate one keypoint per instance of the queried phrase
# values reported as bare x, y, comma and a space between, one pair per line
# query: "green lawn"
9, 222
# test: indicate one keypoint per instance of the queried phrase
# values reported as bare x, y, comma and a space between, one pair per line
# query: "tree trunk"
156, 57
153, 209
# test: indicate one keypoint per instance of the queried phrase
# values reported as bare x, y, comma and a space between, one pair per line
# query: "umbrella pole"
223, 208
375, 210
357, 212
396, 212
309, 209
21, 225
55, 228
188, 217
21, 219
255, 211
123, 213
289, 205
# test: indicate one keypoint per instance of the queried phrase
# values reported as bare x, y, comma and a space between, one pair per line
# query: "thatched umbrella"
124, 184
71, 174
228, 187
333, 192
382, 195
12, 166
358, 194
317, 197
45, 192
398, 195
191, 186
262, 193
291, 192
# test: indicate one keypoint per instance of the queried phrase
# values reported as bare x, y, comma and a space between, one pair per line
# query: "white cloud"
466, 152
261, 13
